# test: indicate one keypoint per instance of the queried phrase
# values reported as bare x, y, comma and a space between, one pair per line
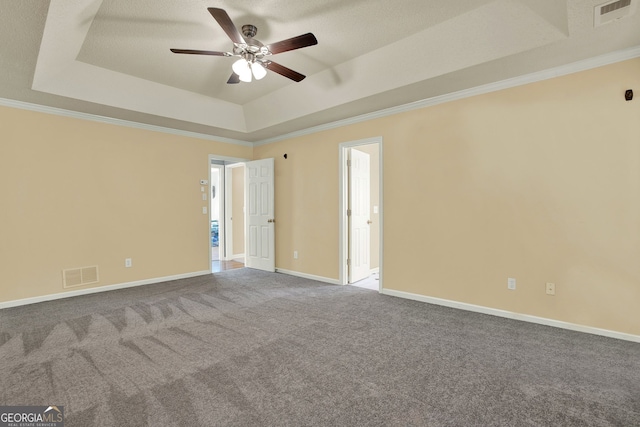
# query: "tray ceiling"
111, 58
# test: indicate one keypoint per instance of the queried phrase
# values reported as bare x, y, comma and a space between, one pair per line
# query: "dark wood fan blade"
227, 25
199, 52
284, 71
293, 43
233, 79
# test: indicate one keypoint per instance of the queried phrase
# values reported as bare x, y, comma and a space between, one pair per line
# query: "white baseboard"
375, 270
236, 256
514, 316
33, 300
308, 276
390, 292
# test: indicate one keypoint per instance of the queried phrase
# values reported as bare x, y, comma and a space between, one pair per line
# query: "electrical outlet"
551, 288
127, 262
511, 283
295, 254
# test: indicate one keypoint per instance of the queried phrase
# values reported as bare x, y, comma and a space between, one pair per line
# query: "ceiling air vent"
608, 12
79, 276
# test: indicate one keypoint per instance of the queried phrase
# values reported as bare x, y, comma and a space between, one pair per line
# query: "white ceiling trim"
587, 64
599, 61
118, 122
69, 21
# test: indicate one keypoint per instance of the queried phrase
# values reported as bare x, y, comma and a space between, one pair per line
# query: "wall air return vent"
610, 11
79, 276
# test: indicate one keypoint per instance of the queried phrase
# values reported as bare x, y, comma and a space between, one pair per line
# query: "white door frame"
215, 157
343, 203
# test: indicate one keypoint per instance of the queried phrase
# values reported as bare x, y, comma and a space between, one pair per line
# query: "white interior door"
359, 220
260, 220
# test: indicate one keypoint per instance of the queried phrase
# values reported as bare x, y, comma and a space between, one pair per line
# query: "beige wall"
78, 193
539, 182
306, 204
237, 209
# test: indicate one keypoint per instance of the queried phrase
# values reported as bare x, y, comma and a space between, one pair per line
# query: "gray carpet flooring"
248, 348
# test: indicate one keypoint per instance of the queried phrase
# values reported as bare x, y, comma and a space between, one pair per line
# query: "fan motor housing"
249, 30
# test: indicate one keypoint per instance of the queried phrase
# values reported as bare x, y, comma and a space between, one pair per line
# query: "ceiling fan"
252, 53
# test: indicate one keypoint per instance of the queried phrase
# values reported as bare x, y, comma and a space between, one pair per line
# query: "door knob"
271, 220
369, 222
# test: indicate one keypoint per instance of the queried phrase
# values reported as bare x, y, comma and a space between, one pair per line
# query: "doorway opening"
361, 222
226, 209
235, 216
216, 194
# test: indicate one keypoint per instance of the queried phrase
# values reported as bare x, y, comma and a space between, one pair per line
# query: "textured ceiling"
111, 58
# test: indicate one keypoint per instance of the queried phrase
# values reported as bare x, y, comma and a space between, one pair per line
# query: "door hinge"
348, 261
348, 163
348, 212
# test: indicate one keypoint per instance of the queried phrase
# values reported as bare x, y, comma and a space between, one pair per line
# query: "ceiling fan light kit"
252, 53
241, 68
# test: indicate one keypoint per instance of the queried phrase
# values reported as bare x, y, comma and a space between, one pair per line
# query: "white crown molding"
118, 122
587, 64
514, 316
95, 290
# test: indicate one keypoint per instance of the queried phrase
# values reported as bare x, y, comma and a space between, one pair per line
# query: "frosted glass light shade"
241, 68
258, 70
